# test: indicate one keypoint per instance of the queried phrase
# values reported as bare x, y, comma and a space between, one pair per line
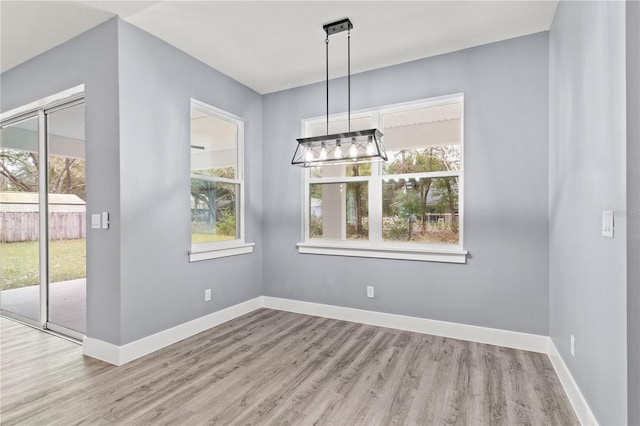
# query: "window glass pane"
19, 219
213, 211
214, 146
423, 139
342, 170
339, 126
421, 160
339, 211
67, 217
421, 210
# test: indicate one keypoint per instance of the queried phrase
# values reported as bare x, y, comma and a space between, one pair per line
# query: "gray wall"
587, 175
138, 92
505, 281
633, 208
526, 272
92, 59
160, 288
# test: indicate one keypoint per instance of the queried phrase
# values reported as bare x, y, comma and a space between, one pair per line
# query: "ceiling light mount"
338, 26
364, 146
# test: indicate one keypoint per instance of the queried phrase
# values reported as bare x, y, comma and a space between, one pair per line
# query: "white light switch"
573, 346
95, 221
105, 220
607, 223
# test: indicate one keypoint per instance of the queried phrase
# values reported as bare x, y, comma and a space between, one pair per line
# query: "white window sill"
222, 250
404, 252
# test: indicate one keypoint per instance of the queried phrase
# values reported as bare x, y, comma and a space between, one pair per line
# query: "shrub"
226, 225
315, 227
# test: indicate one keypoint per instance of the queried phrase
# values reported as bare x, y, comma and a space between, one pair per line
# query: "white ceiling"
275, 45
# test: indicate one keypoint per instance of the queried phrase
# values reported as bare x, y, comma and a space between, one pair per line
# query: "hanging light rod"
361, 146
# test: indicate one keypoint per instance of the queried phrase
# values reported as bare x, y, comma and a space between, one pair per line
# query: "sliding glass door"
43, 219
67, 278
20, 224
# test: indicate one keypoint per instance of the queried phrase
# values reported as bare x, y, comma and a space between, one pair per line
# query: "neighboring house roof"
28, 202
32, 198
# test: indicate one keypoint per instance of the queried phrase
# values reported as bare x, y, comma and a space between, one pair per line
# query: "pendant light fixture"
360, 146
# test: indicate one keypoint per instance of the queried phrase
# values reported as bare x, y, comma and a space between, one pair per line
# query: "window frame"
217, 249
375, 246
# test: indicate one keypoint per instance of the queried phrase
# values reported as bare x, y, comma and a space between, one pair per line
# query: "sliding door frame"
43, 208
41, 109
15, 119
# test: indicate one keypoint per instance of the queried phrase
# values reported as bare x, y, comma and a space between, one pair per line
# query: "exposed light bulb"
353, 151
323, 152
308, 155
338, 151
370, 146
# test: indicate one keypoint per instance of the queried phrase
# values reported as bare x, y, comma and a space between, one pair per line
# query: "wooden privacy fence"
23, 226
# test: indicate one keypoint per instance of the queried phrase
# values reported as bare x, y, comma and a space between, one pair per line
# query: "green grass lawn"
67, 260
19, 262
206, 238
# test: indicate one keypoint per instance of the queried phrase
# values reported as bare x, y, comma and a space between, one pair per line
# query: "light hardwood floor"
272, 367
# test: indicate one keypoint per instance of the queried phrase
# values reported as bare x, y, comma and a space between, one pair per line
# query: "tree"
217, 197
357, 190
19, 170
447, 189
67, 176
405, 200
19, 173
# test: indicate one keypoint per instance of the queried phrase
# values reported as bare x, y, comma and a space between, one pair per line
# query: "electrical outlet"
207, 295
370, 291
573, 346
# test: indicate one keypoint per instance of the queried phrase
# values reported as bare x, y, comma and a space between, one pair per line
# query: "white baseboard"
491, 336
582, 409
119, 355
103, 351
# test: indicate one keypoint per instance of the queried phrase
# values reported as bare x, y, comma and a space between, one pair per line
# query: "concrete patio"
67, 303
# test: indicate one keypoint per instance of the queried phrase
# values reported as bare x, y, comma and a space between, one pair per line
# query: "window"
217, 187
409, 207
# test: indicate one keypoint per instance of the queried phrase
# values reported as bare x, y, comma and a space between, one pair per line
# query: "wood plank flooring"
271, 367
